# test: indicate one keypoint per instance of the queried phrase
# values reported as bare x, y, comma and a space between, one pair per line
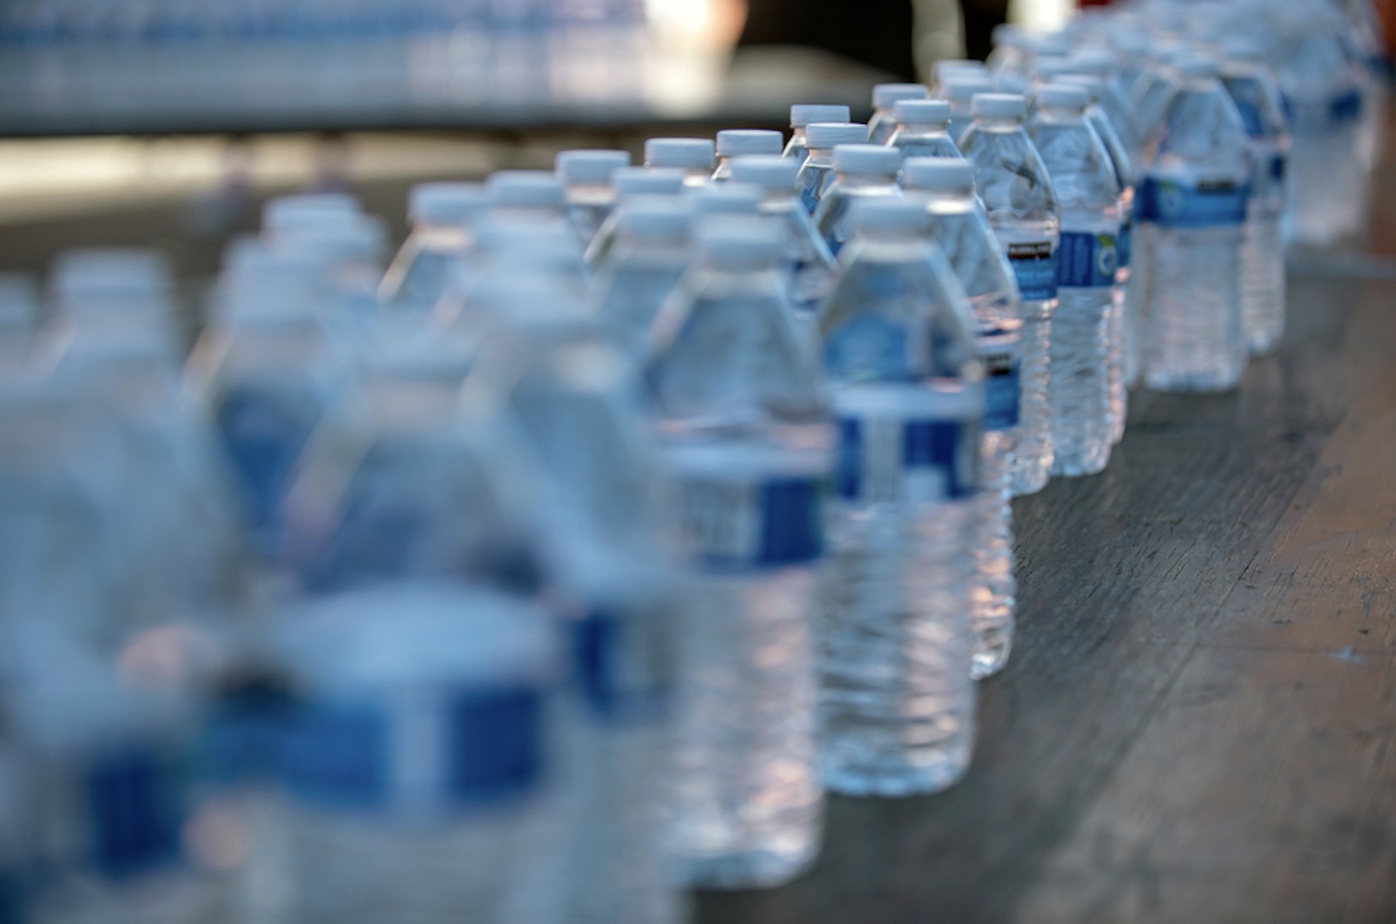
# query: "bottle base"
1194, 383
1031, 480
1082, 466
1264, 344
896, 778
991, 654
749, 869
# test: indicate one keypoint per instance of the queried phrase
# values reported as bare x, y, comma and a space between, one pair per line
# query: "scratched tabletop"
1198, 718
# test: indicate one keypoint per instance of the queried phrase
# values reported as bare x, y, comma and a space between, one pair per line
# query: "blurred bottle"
1017, 193
529, 195
442, 216
740, 143
696, 157
817, 171
122, 291
803, 116
1252, 88
1101, 62
896, 702
861, 171
631, 182
352, 251
744, 429
1088, 194
945, 70
885, 98
960, 228
651, 253
960, 93
287, 214
418, 757
1195, 196
727, 199
19, 320
809, 262
922, 129
586, 178
266, 369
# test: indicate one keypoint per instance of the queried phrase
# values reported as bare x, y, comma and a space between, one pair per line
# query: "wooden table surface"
1198, 719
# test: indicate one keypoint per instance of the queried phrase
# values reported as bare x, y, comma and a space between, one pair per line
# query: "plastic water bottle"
267, 369
1017, 193
128, 291
630, 182
740, 409
1257, 97
1088, 194
896, 702
417, 758
651, 253
736, 142
1102, 62
1195, 196
1125, 321
442, 215
960, 94
586, 180
923, 129
801, 117
817, 171
885, 98
352, 252
861, 171
696, 157
961, 230
809, 262
527, 194
289, 213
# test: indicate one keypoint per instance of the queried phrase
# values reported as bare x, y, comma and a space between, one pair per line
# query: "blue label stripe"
337, 755
848, 472
1003, 398
135, 798
1172, 204
791, 532
495, 747
599, 642
1124, 246
926, 444
1035, 267
1086, 260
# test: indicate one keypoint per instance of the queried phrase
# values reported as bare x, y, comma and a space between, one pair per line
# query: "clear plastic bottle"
885, 98
817, 171
861, 171
1017, 193
586, 180
442, 215
1088, 195
417, 756
738, 142
960, 93
810, 264
527, 194
1194, 198
651, 253
1257, 97
740, 409
696, 157
801, 117
896, 701
630, 182
923, 129
961, 230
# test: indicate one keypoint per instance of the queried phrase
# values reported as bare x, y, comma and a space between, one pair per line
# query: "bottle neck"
998, 124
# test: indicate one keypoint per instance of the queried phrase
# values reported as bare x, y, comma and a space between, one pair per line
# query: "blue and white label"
1124, 247
738, 525
1035, 266
1002, 389
1345, 107
461, 747
1278, 167
906, 461
135, 800
621, 664
1087, 260
1172, 203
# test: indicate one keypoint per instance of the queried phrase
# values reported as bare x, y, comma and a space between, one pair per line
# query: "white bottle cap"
867, 160
999, 106
1063, 96
1101, 62
771, 172
963, 88
1094, 86
297, 208
357, 239
825, 136
922, 112
736, 141
447, 203
805, 114
1198, 67
667, 217
733, 198
1049, 69
740, 242
683, 153
888, 215
124, 270
885, 95
938, 174
525, 189
647, 181
942, 70
1009, 34
1011, 83
589, 168
261, 284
